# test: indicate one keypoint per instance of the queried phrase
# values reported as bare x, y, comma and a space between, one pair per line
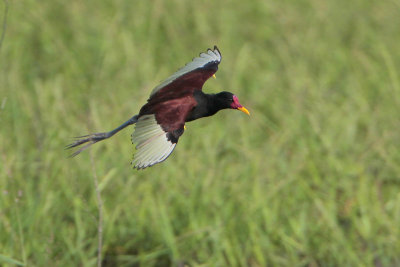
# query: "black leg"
96, 137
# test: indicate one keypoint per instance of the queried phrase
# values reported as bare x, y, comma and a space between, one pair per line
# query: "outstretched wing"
192, 75
153, 143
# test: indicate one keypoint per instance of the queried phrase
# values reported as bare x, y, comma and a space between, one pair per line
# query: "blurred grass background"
310, 179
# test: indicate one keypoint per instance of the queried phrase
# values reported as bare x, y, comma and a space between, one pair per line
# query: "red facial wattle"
237, 105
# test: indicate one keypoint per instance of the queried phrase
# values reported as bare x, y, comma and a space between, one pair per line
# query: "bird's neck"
207, 105
215, 104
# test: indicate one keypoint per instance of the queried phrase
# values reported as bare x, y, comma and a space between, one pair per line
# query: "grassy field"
312, 178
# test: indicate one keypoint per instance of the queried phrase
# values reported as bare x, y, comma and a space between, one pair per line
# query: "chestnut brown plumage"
177, 100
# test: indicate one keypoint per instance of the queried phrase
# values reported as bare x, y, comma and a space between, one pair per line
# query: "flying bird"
177, 100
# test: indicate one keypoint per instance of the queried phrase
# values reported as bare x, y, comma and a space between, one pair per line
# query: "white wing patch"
198, 62
151, 142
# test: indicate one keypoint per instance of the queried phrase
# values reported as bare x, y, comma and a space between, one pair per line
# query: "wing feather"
212, 57
151, 141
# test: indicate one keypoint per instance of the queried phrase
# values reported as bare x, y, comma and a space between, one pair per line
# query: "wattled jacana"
177, 100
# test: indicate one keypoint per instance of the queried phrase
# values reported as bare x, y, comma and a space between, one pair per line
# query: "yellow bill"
215, 77
243, 109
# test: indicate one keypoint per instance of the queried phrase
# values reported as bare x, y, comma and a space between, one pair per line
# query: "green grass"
312, 178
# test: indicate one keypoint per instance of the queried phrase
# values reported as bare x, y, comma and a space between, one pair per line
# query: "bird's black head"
229, 100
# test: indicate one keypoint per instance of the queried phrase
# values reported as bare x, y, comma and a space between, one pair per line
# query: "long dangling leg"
96, 137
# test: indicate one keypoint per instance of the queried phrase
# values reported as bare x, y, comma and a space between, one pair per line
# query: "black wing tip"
213, 49
216, 48
139, 168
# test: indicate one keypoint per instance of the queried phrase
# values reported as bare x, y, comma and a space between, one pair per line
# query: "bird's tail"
88, 140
